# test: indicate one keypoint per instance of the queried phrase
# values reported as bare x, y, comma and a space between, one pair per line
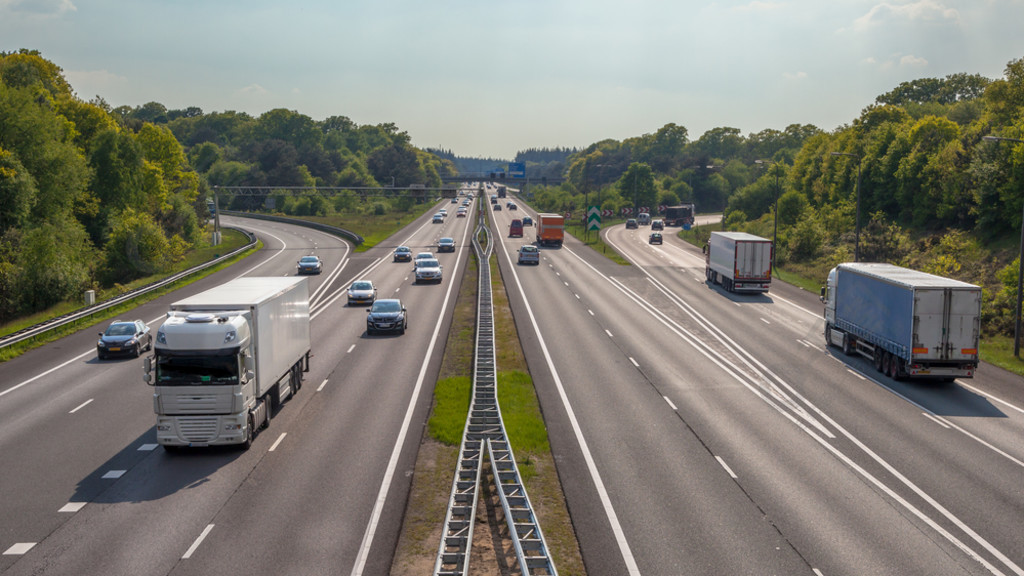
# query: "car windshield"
362, 286
309, 260
447, 241
120, 330
386, 306
402, 249
529, 248
428, 263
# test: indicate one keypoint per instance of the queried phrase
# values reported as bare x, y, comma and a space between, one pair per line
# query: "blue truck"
908, 323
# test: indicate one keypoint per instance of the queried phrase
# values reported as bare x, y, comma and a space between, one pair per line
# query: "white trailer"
908, 323
740, 262
225, 357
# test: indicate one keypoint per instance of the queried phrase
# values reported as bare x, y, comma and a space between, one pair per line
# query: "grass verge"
594, 240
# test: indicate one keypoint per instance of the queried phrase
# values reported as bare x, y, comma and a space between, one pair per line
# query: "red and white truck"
550, 229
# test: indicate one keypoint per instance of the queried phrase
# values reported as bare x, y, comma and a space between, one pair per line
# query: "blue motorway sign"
517, 169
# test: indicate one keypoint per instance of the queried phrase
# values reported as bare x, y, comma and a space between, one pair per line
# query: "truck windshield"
196, 370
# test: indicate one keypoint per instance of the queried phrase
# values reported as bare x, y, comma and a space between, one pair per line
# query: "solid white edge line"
82, 405
385, 485
199, 540
726, 466
278, 441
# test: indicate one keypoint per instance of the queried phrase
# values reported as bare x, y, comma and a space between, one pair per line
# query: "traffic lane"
711, 405
982, 406
80, 420
661, 481
915, 433
330, 469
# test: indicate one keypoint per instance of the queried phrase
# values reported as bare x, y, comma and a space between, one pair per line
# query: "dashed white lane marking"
634, 362
671, 405
351, 348
199, 540
73, 507
608, 333
726, 466
322, 384
114, 474
19, 548
279, 439
82, 405
148, 447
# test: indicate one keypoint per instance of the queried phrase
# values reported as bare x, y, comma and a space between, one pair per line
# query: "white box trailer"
225, 356
740, 262
907, 322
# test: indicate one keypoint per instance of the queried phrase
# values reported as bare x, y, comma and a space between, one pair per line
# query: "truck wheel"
828, 336
878, 358
847, 344
885, 362
894, 367
250, 425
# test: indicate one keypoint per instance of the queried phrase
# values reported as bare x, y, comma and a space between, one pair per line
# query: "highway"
701, 432
87, 490
695, 431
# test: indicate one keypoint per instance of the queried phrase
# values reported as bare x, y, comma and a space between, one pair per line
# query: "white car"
428, 270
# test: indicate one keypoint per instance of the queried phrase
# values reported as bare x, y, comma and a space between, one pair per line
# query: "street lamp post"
775, 232
1020, 260
856, 242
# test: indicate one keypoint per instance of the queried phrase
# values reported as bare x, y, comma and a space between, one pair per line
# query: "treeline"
284, 148
93, 196
933, 194
85, 201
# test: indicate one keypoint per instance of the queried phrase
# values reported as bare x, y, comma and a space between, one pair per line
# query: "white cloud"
911, 60
38, 7
921, 10
254, 90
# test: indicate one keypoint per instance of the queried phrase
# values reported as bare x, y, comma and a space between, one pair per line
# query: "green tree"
54, 263
17, 192
136, 247
637, 186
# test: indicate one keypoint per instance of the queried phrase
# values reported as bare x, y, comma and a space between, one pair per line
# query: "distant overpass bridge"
501, 178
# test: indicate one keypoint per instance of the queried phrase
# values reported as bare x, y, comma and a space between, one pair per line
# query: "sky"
488, 78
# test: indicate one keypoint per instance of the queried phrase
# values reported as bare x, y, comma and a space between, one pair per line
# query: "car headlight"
101, 344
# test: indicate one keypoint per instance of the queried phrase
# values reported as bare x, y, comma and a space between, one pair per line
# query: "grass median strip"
438, 455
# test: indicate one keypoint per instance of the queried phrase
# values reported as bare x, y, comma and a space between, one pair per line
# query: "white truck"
740, 262
908, 323
225, 357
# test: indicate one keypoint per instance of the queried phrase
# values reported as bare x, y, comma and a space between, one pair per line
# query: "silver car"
428, 270
529, 254
362, 292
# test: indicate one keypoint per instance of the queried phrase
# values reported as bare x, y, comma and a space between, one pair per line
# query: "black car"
655, 238
446, 245
310, 265
386, 315
631, 223
124, 338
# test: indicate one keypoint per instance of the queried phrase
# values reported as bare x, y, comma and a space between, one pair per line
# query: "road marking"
199, 540
855, 373
609, 334
279, 439
670, 404
73, 507
351, 348
324, 383
82, 405
765, 321
634, 362
937, 420
19, 548
114, 474
566, 283
147, 447
805, 343
590, 311
987, 395
726, 466
576, 295
817, 572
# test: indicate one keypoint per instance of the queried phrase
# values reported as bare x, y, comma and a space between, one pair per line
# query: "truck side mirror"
704, 249
147, 370
249, 363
